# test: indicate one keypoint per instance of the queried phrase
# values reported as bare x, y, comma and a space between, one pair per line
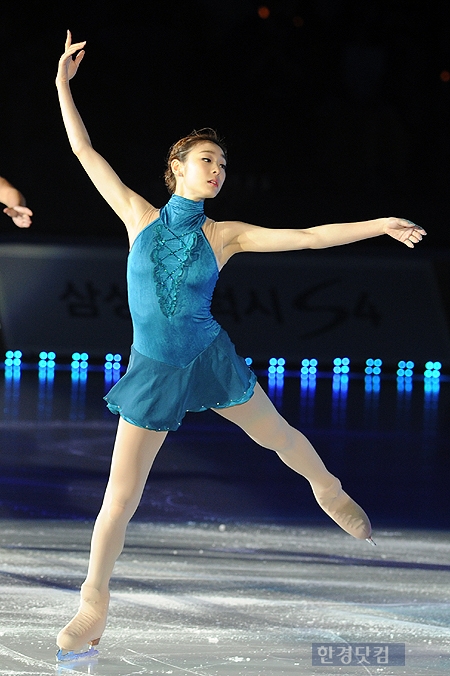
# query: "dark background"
332, 110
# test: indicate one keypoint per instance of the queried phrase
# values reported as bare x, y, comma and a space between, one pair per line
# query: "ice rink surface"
228, 599
229, 567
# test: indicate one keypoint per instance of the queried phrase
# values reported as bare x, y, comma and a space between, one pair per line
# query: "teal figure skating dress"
181, 359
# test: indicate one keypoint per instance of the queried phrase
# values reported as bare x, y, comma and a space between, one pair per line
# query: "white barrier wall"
295, 305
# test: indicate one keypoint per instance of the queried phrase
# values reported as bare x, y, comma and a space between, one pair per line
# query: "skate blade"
73, 656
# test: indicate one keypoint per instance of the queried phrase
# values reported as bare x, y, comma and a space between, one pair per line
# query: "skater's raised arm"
128, 205
15, 204
240, 237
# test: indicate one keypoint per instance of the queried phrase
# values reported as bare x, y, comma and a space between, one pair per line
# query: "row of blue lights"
309, 367
341, 366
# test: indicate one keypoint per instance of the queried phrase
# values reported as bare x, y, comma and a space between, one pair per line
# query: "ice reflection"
78, 394
307, 397
340, 384
12, 391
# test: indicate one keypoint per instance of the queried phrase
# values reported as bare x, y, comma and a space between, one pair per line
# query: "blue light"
405, 369
432, 369
47, 360
373, 367
13, 358
79, 361
341, 365
309, 366
248, 361
276, 365
112, 362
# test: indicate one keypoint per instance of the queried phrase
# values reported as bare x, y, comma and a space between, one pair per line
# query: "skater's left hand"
20, 215
405, 231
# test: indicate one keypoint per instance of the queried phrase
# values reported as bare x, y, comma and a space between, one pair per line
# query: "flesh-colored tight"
135, 450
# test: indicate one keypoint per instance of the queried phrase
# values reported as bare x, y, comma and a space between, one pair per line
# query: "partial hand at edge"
20, 215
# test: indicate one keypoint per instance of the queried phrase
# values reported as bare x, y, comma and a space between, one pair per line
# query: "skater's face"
202, 174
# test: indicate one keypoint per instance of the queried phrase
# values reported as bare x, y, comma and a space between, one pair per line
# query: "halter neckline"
183, 205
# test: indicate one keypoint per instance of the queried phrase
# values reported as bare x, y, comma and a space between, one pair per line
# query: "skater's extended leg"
134, 452
259, 418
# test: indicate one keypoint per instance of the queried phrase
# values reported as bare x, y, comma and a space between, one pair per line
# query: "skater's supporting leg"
134, 452
259, 418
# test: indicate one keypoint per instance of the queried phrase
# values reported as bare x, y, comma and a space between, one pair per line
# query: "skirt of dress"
157, 396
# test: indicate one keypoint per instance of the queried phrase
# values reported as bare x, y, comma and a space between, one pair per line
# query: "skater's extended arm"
15, 204
239, 237
127, 204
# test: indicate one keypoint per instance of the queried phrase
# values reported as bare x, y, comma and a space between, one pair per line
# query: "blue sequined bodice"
172, 272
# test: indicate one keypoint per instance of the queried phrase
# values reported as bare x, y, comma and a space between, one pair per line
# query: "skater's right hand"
68, 66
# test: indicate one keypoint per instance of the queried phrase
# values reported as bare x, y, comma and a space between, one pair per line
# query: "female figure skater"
181, 359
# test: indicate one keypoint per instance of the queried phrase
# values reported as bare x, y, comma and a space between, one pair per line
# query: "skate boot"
80, 636
344, 511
